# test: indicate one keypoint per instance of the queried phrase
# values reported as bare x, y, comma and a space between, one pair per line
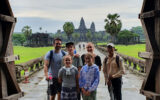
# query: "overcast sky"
51, 14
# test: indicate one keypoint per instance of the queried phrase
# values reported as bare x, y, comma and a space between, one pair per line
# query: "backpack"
117, 60
51, 56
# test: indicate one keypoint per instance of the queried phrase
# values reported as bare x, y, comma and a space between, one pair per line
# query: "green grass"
131, 50
102, 43
28, 53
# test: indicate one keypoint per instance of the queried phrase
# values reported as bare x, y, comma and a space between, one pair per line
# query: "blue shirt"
89, 77
55, 64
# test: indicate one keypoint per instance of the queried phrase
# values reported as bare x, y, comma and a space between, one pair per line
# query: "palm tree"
27, 31
69, 29
113, 25
40, 28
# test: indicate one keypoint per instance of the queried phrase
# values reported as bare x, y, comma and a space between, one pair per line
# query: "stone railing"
131, 63
31, 66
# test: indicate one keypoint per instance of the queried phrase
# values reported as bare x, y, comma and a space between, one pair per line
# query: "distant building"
39, 40
83, 29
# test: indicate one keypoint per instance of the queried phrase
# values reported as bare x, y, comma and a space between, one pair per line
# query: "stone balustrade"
131, 63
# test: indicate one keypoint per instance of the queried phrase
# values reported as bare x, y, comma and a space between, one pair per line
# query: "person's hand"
109, 82
84, 91
77, 55
110, 77
78, 90
88, 93
47, 78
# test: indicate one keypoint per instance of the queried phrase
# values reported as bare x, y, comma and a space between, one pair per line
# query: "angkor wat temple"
83, 29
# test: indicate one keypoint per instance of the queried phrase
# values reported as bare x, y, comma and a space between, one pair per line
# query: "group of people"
74, 76
82, 45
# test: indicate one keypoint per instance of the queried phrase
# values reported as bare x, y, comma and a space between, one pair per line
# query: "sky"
52, 14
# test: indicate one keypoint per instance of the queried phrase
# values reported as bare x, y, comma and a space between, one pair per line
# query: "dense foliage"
18, 39
113, 25
138, 30
68, 29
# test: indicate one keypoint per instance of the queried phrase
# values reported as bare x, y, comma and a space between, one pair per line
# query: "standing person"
97, 59
52, 64
89, 78
83, 46
76, 60
113, 70
79, 46
68, 76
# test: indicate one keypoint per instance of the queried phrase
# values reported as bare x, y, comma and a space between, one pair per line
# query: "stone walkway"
36, 89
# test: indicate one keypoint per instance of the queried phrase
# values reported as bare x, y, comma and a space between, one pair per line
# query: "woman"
90, 49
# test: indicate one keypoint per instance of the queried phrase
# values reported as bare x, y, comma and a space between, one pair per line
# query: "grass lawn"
28, 53
131, 50
102, 43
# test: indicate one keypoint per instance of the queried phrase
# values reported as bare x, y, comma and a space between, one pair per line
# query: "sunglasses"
110, 47
58, 43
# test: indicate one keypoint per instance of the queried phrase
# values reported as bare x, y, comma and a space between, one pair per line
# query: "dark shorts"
55, 87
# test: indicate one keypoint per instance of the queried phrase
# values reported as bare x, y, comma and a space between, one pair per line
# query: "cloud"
73, 10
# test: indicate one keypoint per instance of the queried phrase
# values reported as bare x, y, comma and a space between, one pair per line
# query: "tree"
75, 36
27, 31
40, 28
126, 36
89, 35
18, 39
105, 37
113, 25
69, 29
138, 30
64, 37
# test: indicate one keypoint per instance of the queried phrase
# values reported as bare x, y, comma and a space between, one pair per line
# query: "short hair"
56, 40
89, 55
66, 57
69, 44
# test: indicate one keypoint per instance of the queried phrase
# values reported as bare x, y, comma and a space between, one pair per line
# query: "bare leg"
52, 97
59, 96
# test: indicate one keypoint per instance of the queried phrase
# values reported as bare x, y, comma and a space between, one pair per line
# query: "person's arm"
60, 75
81, 80
121, 69
77, 82
96, 81
79, 64
46, 63
105, 70
77, 55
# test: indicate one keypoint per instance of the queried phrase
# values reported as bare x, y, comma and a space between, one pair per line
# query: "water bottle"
50, 79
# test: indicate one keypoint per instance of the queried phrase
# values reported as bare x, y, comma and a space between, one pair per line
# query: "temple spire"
82, 24
93, 27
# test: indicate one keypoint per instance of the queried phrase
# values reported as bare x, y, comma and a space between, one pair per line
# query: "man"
76, 60
52, 64
113, 70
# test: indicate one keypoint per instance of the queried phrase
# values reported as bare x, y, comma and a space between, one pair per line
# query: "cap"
110, 44
69, 44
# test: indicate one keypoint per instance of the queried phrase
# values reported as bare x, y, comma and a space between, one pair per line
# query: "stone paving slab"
36, 89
